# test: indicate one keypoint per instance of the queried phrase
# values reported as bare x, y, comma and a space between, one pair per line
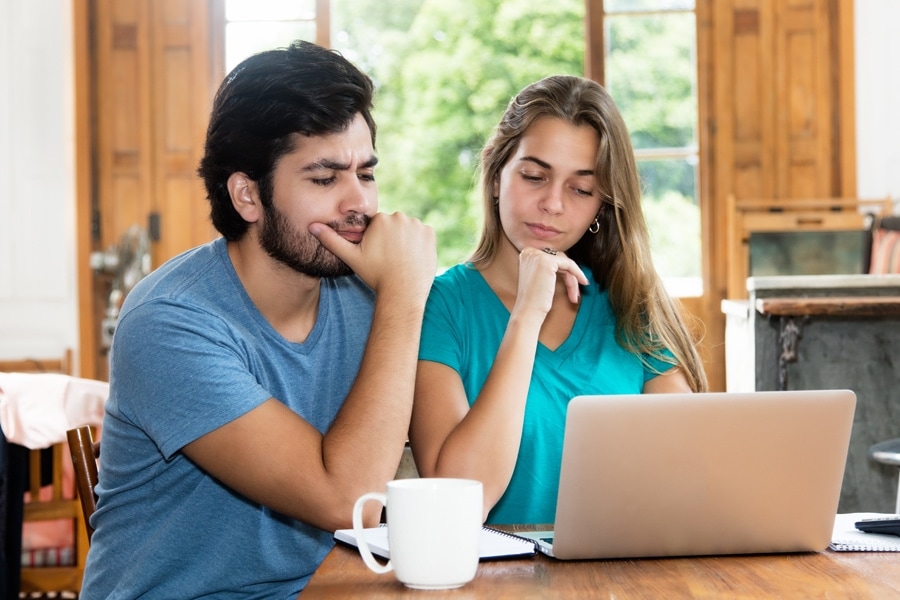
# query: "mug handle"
359, 532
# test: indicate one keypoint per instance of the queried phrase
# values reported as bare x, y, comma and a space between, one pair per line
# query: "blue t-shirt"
191, 353
463, 327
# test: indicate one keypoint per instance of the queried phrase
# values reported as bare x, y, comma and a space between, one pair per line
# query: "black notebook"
493, 545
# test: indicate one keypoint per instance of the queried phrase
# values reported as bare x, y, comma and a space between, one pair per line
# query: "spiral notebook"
493, 545
847, 538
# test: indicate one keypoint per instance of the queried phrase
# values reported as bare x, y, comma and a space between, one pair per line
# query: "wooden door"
781, 107
145, 78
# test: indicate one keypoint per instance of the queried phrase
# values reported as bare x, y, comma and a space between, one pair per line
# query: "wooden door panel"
122, 110
182, 51
805, 54
151, 86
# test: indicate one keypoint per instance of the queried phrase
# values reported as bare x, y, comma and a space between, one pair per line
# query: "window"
445, 71
255, 25
650, 66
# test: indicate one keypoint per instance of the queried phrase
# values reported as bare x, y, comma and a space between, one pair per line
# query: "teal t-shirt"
463, 327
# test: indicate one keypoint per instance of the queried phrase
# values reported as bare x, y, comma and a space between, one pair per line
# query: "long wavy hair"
648, 320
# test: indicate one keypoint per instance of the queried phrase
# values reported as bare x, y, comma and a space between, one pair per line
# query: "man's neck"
288, 300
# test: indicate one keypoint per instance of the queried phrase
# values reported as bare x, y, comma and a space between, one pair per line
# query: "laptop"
656, 475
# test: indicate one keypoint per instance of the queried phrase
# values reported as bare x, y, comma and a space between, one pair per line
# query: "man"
262, 382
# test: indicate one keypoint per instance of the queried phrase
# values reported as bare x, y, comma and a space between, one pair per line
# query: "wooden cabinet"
827, 332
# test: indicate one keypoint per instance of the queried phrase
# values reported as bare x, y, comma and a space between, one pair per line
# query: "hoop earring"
595, 226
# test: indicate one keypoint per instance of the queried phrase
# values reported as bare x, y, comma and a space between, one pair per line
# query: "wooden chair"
882, 237
58, 505
85, 454
745, 216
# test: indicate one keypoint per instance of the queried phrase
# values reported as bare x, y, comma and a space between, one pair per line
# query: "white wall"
38, 296
877, 98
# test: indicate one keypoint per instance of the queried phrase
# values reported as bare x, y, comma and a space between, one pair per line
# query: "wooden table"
828, 574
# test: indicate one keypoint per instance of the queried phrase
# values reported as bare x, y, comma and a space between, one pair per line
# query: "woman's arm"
450, 439
671, 382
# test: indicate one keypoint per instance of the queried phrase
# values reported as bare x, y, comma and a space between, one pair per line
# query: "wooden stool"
888, 452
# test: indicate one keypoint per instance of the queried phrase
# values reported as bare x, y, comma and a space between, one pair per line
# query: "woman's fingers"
533, 261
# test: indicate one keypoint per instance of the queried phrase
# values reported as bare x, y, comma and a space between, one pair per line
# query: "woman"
559, 299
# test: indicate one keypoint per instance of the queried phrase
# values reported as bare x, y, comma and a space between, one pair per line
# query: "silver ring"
550, 251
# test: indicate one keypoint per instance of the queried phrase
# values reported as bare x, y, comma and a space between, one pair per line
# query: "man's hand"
396, 250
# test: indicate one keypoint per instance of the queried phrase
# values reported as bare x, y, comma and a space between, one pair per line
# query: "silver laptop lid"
701, 474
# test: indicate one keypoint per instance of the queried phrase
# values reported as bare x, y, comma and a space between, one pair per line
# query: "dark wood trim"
216, 45
594, 52
845, 128
323, 23
84, 185
839, 306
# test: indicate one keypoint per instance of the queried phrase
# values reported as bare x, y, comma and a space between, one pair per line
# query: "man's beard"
300, 250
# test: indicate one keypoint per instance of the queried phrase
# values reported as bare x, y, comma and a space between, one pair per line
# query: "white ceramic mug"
434, 525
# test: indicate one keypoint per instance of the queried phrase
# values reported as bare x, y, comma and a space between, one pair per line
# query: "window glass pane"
245, 38
651, 74
673, 217
445, 71
612, 6
269, 10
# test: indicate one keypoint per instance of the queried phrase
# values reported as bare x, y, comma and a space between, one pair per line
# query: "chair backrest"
45, 470
790, 216
85, 455
882, 246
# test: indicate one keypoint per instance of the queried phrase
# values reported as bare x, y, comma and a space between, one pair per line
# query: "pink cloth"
36, 409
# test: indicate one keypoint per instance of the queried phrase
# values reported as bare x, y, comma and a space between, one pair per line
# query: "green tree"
651, 74
445, 72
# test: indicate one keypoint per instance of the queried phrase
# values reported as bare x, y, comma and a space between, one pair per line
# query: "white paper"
493, 544
847, 538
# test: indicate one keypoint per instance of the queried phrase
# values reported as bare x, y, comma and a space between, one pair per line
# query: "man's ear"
244, 194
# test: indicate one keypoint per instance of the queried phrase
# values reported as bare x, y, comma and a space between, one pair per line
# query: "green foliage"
651, 74
674, 223
446, 70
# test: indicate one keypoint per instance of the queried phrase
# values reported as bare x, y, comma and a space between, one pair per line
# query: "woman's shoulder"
457, 286
461, 276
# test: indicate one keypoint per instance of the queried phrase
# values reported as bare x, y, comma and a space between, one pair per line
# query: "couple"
262, 382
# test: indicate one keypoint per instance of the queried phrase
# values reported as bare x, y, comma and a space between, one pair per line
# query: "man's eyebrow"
326, 164
546, 165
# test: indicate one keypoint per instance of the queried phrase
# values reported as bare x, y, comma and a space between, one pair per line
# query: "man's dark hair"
302, 89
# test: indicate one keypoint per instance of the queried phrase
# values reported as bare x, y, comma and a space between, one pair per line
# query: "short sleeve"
441, 337
179, 373
656, 366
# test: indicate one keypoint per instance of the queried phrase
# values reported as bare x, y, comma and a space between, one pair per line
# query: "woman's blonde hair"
649, 320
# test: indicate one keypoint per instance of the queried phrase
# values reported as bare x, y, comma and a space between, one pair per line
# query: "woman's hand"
539, 272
